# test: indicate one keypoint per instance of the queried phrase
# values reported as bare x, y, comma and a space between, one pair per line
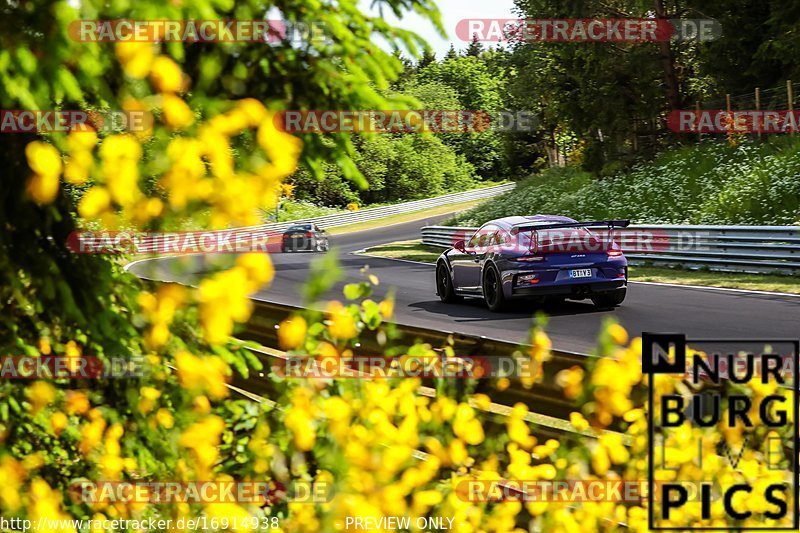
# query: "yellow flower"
136, 57
228, 513
96, 201
147, 399
77, 402
202, 405
123, 182
466, 426
540, 347
206, 374
45, 161
111, 465
341, 324
177, 114
12, 474
41, 394
164, 418
578, 421
253, 110
282, 148
482, 401
203, 439
570, 380
91, 435
82, 139
258, 268
600, 460
45, 505
43, 189
223, 300
76, 171
292, 332
302, 427
58, 422
123, 146
166, 75
457, 452
426, 499
43, 158
147, 209
618, 334
386, 308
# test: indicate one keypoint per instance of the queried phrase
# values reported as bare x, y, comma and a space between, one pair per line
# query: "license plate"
581, 273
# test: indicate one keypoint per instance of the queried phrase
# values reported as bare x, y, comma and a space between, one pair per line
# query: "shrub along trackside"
712, 183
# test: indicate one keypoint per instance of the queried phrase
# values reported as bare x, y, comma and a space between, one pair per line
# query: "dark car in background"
541, 256
304, 238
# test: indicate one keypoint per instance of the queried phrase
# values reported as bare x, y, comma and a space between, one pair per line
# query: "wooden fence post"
758, 108
697, 120
790, 98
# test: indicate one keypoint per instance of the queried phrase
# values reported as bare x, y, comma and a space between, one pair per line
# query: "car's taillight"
309, 234
529, 258
614, 253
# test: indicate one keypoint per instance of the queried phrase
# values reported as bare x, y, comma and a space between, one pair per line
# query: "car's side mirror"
459, 245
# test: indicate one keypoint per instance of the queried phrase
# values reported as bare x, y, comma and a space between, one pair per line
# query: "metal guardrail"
757, 249
261, 234
544, 398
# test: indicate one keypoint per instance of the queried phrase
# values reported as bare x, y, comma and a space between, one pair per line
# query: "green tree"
212, 155
428, 58
475, 48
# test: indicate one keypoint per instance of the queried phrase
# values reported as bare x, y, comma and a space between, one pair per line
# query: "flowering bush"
712, 183
387, 447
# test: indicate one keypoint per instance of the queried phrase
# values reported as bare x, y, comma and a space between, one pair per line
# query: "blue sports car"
549, 257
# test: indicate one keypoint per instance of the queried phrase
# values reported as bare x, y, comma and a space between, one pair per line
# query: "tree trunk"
668, 63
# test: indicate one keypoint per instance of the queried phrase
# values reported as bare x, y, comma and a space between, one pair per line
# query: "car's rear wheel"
493, 289
608, 300
444, 285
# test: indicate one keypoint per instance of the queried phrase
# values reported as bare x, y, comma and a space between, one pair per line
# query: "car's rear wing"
534, 226
610, 224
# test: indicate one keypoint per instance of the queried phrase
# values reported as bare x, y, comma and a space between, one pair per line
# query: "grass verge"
416, 251
728, 280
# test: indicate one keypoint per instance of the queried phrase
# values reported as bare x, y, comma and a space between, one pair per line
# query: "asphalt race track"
573, 326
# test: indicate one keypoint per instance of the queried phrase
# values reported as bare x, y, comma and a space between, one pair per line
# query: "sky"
452, 11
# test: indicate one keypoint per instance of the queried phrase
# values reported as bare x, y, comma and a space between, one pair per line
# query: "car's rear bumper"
308, 244
572, 290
